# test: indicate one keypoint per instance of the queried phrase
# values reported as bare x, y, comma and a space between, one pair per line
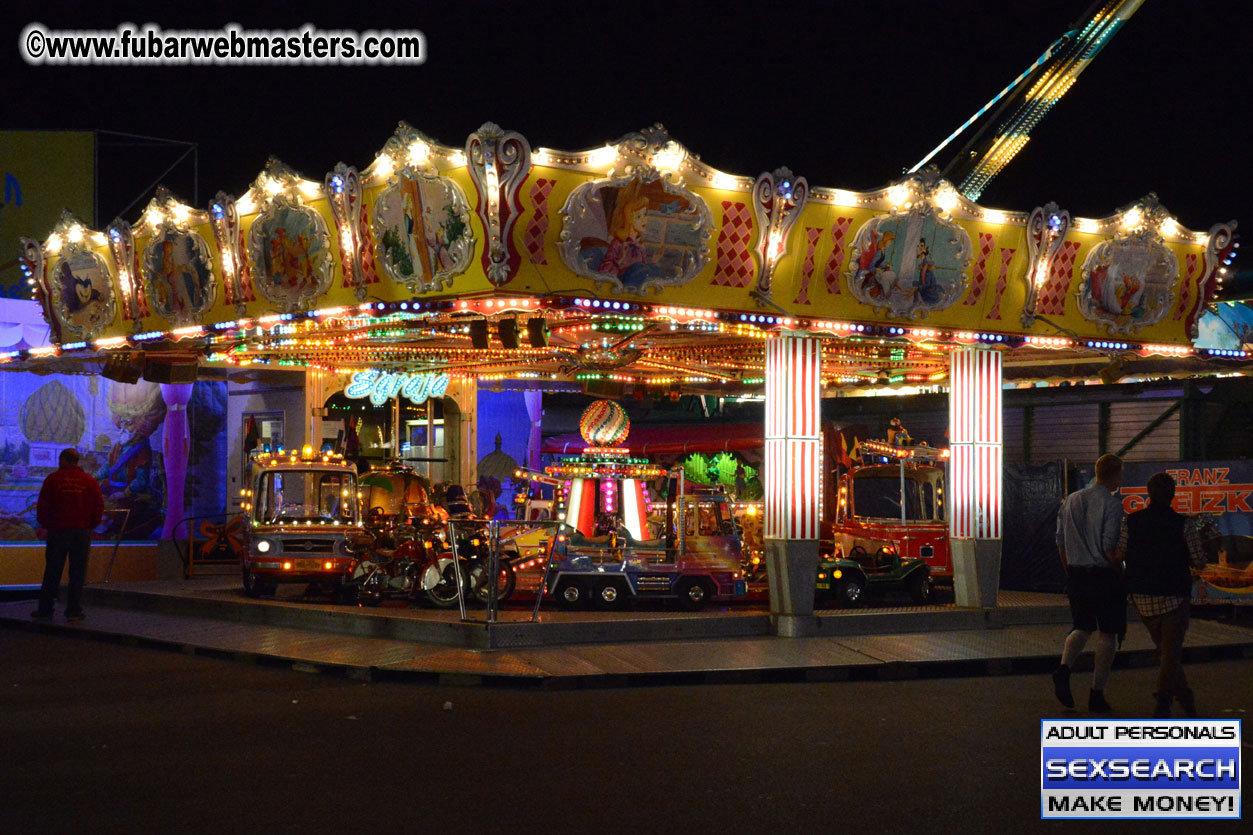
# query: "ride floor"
729, 644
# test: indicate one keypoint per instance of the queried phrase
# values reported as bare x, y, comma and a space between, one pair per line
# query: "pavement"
733, 645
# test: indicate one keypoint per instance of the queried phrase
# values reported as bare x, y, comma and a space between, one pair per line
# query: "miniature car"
846, 581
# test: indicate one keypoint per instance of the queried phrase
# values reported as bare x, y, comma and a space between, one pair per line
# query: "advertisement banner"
1140, 769
1222, 493
42, 172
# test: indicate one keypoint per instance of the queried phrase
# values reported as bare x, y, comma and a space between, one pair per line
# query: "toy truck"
303, 513
687, 550
894, 500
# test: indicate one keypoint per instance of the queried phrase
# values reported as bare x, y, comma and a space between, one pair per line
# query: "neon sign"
382, 386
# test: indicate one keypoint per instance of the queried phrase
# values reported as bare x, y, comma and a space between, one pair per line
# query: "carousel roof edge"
508, 248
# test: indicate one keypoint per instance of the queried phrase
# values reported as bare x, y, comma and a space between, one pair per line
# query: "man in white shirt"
1088, 526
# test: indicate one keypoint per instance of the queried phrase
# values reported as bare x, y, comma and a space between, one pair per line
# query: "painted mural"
119, 431
909, 264
178, 273
82, 293
290, 253
422, 225
1227, 326
1127, 283
1218, 494
637, 233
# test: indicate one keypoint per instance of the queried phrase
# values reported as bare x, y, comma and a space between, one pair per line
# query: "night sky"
847, 95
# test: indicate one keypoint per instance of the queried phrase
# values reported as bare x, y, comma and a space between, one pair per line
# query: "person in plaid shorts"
1158, 548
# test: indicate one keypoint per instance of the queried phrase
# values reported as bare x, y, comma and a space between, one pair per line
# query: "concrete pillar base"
795, 626
792, 566
976, 572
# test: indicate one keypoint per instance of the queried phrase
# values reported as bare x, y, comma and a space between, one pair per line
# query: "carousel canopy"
633, 263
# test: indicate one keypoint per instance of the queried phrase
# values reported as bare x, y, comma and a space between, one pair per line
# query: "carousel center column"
792, 479
976, 465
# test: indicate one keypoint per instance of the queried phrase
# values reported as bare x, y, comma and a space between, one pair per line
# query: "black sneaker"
1162, 711
1097, 703
1061, 686
74, 617
40, 614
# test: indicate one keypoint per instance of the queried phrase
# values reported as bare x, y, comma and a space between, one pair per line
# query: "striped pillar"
976, 467
792, 477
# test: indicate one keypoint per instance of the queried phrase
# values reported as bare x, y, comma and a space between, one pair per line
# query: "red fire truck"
892, 498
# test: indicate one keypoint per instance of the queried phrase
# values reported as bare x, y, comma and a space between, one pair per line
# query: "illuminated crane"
1053, 72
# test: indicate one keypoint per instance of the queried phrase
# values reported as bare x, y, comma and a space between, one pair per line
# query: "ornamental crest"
81, 284
289, 248
909, 264
178, 275
1128, 283
422, 229
636, 232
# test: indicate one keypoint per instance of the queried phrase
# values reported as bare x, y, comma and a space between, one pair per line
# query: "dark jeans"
76, 545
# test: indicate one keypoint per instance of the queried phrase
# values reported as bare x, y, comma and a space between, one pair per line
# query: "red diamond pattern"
1185, 292
533, 240
1002, 282
831, 273
370, 274
245, 271
980, 274
735, 263
1053, 297
812, 234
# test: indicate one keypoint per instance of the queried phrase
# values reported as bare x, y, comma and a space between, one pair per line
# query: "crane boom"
1054, 73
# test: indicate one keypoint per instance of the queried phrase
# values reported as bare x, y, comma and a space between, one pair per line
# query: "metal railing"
117, 540
516, 530
189, 558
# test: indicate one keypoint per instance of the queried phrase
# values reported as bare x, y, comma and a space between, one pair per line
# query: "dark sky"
846, 94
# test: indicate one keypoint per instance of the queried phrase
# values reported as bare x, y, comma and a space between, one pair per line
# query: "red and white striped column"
976, 465
792, 477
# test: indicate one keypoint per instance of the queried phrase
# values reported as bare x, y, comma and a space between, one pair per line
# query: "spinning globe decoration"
604, 424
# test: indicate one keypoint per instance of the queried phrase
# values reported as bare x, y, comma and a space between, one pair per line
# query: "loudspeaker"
170, 372
537, 332
478, 333
508, 331
120, 368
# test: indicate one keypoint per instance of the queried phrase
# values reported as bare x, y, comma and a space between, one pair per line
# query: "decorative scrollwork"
130, 288
1219, 245
653, 149
1046, 232
224, 218
499, 162
33, 264
343, 192
779, 197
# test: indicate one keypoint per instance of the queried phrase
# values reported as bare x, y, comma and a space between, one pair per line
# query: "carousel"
635, 269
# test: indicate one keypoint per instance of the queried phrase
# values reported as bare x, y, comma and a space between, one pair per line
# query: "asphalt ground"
102, 737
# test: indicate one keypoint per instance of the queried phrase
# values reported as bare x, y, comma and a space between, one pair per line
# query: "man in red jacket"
70, 505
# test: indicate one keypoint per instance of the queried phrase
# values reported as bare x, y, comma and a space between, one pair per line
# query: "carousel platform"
733, 644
